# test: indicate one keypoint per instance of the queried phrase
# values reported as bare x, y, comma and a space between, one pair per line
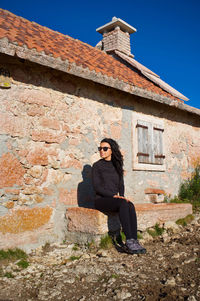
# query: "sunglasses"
105, 148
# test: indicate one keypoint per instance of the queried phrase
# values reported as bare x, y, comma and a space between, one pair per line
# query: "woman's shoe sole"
129, 251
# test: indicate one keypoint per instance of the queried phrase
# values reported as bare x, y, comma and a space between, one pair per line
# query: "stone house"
59, 97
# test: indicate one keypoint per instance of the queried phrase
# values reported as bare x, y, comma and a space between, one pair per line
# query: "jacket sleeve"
121, 186
98, 183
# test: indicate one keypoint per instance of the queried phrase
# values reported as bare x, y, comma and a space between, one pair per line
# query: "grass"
115, 276
106, 242
75, 247
72, 258
189, 191
91, 245
8, 275
185, 221
12, 254
139, 235
157, 231
23, 264
123, 236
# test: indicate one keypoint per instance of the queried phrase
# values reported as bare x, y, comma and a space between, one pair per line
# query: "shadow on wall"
85, 192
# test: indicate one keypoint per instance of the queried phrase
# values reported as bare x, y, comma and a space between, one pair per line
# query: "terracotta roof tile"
23, 32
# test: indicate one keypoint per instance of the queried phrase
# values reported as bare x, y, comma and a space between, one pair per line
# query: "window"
148, 152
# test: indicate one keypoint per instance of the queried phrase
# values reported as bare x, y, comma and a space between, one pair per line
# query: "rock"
171, 281
122, 294
82, 298
91, 278
70, 280
183, 289
146, 238
111, 280
169, 225
85, 256
166, 237
65, 271
176, 255
192, 298
102, 253
189, 260
178, 278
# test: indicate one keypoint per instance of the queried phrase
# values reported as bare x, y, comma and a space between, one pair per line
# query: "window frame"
157, 124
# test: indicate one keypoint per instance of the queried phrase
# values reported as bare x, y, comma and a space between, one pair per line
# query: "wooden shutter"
158, 144
143, 142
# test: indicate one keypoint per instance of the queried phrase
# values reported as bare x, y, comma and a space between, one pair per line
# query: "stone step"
85, 220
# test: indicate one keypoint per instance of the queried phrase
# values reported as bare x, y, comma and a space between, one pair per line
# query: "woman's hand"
120, 197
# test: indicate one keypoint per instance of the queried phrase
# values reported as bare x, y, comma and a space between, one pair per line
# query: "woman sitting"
108, 184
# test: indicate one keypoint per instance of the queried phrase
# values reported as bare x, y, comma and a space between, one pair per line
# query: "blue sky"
167, 40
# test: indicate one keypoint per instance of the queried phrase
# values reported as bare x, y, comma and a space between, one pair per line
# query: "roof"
151, 75
42, 45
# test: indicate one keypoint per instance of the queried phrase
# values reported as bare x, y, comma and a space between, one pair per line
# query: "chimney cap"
116, 22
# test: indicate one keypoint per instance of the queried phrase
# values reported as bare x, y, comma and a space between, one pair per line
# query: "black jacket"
105, 179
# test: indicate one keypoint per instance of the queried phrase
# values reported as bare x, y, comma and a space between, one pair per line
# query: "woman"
108, 183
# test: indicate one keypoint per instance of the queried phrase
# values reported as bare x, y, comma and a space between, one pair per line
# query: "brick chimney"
116, 36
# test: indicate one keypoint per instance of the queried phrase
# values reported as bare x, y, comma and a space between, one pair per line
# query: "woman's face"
105, 151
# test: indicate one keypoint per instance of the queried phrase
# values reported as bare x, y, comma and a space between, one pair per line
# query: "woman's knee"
124, 203
131, 206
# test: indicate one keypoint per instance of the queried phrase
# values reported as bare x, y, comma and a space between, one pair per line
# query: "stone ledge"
154, 191
150, 214
92, 221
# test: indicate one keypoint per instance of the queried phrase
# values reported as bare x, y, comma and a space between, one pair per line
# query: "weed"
139, 235
75, 247
23, 264
157, 231
185, 221
91, 245
106, 242
46, 247
189, 191
8, 275
123, 236
151, 232
12, 254
115, 276
74, 258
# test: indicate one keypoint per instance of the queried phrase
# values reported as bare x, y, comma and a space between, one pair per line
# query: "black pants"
126, 210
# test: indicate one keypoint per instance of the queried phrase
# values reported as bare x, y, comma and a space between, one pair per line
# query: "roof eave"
151, 76
71, 68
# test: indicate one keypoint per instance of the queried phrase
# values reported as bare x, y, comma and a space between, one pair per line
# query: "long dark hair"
116, 157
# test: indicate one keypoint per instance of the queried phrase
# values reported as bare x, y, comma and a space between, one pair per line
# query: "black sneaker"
133, 247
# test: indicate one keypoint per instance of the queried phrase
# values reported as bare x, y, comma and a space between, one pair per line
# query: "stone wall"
50, 127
